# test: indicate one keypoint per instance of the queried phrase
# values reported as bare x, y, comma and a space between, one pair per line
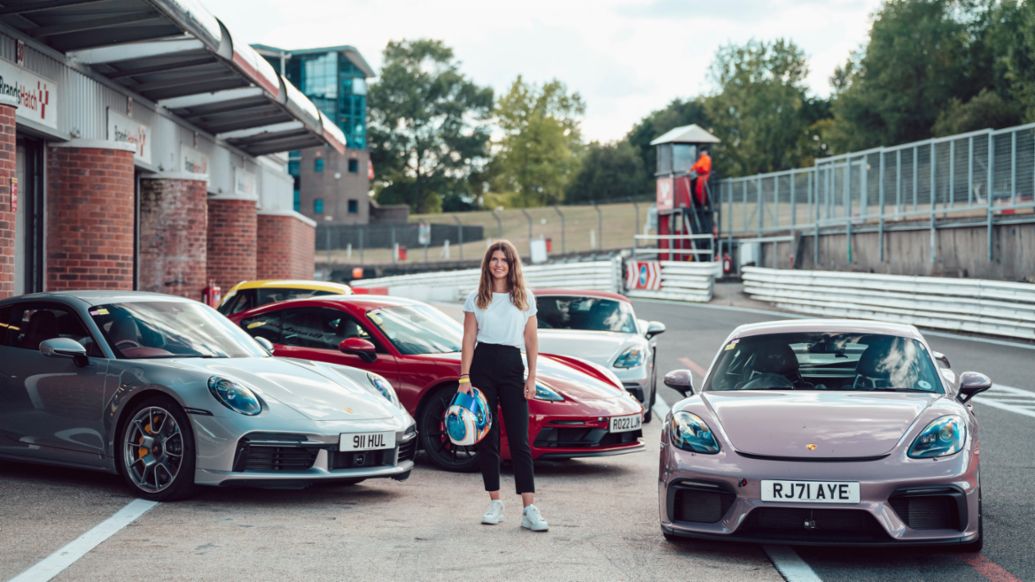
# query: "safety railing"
969, 305
452, 286
985, 176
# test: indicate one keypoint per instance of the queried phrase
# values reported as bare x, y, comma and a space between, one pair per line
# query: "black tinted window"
241, 301
319, 327
266, 325
585, 313
28, 326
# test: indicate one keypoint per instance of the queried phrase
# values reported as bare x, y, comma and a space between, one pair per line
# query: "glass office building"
327, 186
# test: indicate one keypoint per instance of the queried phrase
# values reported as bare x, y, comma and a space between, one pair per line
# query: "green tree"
920, 56
429, 125
762, 112
677, 113
538, 153
608, 172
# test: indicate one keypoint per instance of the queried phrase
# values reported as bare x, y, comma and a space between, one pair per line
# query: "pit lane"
602, 511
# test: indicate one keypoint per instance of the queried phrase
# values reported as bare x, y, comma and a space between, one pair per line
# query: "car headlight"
234, 396
384, 388
544, 392
630, 358
943, 436
688, 432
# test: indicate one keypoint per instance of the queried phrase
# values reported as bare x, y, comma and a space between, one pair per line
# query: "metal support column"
988, 196
880, 206
561, 215
934, 201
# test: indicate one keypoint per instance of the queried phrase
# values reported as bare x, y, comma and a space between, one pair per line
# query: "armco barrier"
452, 286
971, 305
683, 281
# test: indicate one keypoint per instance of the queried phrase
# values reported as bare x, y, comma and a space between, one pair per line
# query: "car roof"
827, 325
580, 293
99, 297
364, 301
308, 285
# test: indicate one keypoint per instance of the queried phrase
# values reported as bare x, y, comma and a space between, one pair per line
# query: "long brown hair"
515, 276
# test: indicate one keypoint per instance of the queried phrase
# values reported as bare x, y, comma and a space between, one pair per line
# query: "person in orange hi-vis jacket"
702, 167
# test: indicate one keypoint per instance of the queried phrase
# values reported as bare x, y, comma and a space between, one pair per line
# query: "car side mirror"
655, 328
681, 381
972, 384
942, 359
358, 346
63, 347
265, 343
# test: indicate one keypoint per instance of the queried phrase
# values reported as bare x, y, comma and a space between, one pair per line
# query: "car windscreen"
825, 361
418, 329
171, 329
585, 313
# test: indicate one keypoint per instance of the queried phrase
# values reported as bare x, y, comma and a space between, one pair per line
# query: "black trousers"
499, 373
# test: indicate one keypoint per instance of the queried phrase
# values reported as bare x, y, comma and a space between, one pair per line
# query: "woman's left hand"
529, 388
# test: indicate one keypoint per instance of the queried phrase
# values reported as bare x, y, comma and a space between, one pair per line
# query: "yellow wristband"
465, 380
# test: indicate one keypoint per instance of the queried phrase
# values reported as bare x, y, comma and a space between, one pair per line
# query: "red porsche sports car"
580, 409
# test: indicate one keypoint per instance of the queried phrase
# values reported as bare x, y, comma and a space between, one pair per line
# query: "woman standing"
499, 319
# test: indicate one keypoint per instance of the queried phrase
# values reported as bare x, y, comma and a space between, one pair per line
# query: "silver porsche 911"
168, 393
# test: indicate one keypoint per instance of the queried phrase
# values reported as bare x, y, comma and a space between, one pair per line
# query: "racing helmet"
468, 418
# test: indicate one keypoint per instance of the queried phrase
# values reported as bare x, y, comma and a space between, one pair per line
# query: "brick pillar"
173, 235
8, 105
231, 241
289, 245
90, 216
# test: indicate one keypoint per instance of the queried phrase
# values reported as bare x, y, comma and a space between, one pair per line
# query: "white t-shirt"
501, 322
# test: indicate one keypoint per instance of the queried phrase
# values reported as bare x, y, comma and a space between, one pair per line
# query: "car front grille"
699, 502
573, 438
806, 525
275, 459
340, 460
943, 508
408, 450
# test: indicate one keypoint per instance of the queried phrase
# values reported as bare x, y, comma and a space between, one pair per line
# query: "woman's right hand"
464, 387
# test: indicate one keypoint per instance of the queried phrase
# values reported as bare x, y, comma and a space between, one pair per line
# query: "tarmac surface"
603, 512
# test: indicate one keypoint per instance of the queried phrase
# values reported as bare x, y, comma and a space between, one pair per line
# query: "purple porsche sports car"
824, 432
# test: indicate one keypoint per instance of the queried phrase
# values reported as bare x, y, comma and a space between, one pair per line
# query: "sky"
625, 57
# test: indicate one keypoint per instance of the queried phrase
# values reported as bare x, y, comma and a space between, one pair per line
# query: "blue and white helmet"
468, 418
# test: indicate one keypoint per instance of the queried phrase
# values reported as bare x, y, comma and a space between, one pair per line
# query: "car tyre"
433, 439
648, 415
155, 450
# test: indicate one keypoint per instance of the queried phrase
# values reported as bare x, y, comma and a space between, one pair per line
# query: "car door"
314, 333
50, 407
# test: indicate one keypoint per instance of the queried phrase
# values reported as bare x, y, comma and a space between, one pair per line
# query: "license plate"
810, 491
626, 423
366, 441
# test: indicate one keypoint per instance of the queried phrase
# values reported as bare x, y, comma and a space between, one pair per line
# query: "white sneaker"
533, 520
494, 514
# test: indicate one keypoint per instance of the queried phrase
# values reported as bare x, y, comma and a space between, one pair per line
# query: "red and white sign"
643, 275
126, 130
37, 96
664, 194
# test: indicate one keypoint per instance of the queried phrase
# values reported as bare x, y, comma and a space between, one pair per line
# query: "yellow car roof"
330, 287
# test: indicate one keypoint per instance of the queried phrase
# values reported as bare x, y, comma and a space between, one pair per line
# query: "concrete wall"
958, 252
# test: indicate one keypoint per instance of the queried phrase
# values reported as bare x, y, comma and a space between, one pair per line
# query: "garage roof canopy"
175, 53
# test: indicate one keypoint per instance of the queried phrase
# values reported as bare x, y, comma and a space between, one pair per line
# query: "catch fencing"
982, 176
968, 305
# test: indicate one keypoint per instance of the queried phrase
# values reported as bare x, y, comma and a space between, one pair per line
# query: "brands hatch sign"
37, 96
124, 129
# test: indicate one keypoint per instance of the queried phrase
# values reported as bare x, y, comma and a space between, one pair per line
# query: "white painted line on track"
787, 314
790, 565
55, 563
661, 407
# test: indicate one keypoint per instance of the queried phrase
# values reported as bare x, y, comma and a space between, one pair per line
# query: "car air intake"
699, 502
813, 525
943, 508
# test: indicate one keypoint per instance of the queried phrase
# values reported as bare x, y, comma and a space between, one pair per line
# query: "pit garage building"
143, 147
